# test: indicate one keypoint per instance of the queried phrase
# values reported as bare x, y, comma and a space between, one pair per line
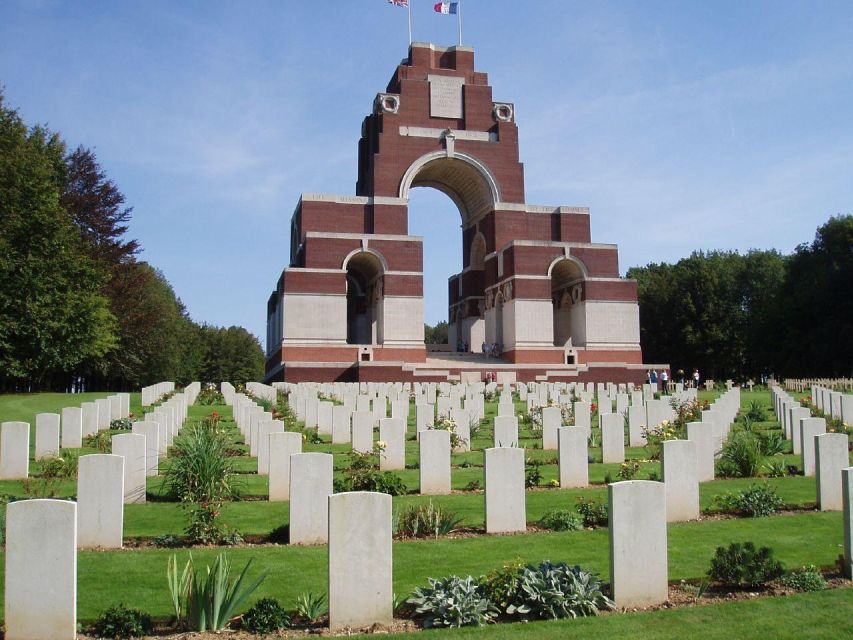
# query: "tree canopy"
77, 307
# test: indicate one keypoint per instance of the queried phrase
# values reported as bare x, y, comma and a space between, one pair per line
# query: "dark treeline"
77, 305
732, 315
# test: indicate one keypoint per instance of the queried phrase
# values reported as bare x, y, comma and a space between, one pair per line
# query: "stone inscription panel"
445, 96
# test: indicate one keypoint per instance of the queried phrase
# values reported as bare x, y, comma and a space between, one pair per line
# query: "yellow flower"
381, 444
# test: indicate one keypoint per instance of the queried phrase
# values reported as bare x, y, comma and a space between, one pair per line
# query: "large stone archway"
437, 125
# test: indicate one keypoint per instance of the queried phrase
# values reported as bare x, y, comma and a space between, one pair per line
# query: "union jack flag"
399, 3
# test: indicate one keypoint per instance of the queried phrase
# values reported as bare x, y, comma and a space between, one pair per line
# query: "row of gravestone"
835, 404
41, 555
53, 431
823, 455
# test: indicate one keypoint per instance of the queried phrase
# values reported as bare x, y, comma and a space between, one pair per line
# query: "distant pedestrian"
696, 378
664, 381
653, 379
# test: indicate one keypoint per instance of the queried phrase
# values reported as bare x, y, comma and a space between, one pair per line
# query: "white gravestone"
435, 462
100, 501
265, 428
702, 433
505, 500
41, 570
47, 435
360, 560
583, 417
392, 431
341, 425
830, 458
151, 431
678, 464
574, 457
638, 551
14, 450
612, 438
131, 446
847, 506
506, 431
89, 415
809, 428
462, 421
104, 417
636, 424
362, 431
310, 487
282, 446
72, 428
552, 419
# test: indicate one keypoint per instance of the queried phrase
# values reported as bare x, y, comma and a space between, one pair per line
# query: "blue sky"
683, 125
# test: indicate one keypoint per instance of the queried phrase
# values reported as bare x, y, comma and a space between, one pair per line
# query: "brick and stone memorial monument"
531, 281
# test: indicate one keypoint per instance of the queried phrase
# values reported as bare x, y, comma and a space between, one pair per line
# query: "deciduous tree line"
77, 305
733, 315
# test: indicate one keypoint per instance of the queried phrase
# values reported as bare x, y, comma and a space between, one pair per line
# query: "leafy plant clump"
429, 520
452, 602
202, 476
266, 616
806, 579
311, 607
119, 623
121, 424
741, 456
757, 501
629, 469
756, 412
363, 474
742, 565
594, 514
207, 600
561, 520
553, 591
532, 473
62, 467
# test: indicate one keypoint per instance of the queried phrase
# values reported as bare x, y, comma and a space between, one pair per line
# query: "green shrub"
741, 565
772, 443
452, 602
266, 616
207, 600
629, 469
532, 473
500, 586
119, 622
757, 501
561, 520
167, 541
121, 424
806, 579
776, 467
756, 412
553, 591
363, 474
281, 534
62, 467
199, 469
741, 457
311, 607
594, 513
425, 520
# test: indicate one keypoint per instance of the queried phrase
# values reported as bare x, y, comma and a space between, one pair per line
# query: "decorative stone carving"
577, 292
387, 103
504, 111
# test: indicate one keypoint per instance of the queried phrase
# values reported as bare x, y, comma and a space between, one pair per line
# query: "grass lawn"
136, 577
818, 616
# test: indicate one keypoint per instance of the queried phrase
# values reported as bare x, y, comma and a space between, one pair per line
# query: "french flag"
446, 8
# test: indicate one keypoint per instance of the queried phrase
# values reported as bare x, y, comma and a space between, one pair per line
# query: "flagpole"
459, 16
409, 5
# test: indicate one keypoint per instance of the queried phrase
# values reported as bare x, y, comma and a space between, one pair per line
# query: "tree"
436, 334
53, 318
230, 355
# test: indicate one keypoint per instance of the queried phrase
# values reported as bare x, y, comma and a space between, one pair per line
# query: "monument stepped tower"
350, 304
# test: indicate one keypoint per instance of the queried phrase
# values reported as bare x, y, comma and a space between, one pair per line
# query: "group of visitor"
493, 349
653, 378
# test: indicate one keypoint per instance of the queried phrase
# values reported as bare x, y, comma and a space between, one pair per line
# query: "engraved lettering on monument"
445, 96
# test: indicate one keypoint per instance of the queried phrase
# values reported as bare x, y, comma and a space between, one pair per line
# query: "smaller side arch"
584, 271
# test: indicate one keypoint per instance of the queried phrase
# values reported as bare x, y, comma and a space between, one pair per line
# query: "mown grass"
137, 577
